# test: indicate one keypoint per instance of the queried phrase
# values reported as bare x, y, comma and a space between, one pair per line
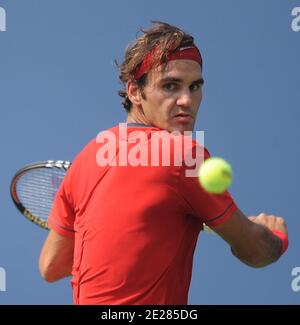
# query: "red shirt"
135, 227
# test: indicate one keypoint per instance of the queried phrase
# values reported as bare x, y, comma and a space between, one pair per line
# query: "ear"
133, 92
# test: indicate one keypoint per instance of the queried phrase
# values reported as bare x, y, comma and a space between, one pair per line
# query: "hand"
270, 221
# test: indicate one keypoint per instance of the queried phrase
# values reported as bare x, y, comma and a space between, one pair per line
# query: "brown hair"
161, 36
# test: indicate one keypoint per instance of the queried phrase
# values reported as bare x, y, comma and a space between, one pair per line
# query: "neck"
134, 116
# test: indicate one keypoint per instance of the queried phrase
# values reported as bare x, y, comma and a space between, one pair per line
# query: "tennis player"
127, 232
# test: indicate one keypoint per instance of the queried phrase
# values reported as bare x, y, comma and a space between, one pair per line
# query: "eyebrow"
172, 79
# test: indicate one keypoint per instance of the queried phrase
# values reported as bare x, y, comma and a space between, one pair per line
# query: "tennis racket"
33, 189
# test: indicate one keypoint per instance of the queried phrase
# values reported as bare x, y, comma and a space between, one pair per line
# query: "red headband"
183, 53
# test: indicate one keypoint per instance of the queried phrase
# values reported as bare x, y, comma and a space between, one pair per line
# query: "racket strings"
37, 188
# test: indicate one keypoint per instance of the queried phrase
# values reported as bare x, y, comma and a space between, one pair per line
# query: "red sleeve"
212, 209
62, 215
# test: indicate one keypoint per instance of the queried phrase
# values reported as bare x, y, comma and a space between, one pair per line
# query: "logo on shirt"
2, 20
2, 279
295, 24
295, 284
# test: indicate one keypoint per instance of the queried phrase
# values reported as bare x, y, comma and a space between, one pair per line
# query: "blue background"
58, 89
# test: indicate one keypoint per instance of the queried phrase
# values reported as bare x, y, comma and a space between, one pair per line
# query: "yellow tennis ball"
215, 175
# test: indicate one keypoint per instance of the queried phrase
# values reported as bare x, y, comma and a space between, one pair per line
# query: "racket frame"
60, 164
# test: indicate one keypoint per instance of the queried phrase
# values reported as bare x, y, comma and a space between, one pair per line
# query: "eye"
170, 86
195, 87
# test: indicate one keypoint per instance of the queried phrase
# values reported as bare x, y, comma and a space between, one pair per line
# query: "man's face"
172, 96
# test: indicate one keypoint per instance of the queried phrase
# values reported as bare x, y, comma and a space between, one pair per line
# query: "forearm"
55, 269
56, 257
264, 248
252, 240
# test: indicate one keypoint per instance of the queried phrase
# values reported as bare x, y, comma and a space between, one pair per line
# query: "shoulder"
90, 149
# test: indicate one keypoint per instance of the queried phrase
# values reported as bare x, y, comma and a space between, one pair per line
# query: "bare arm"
56, 257
251, 239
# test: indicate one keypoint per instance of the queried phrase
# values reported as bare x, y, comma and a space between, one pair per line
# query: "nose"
185, 98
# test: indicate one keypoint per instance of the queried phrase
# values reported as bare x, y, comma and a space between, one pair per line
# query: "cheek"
163, 106
197, 101
201, 95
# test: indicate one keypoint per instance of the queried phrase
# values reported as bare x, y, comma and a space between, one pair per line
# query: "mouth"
183, 118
